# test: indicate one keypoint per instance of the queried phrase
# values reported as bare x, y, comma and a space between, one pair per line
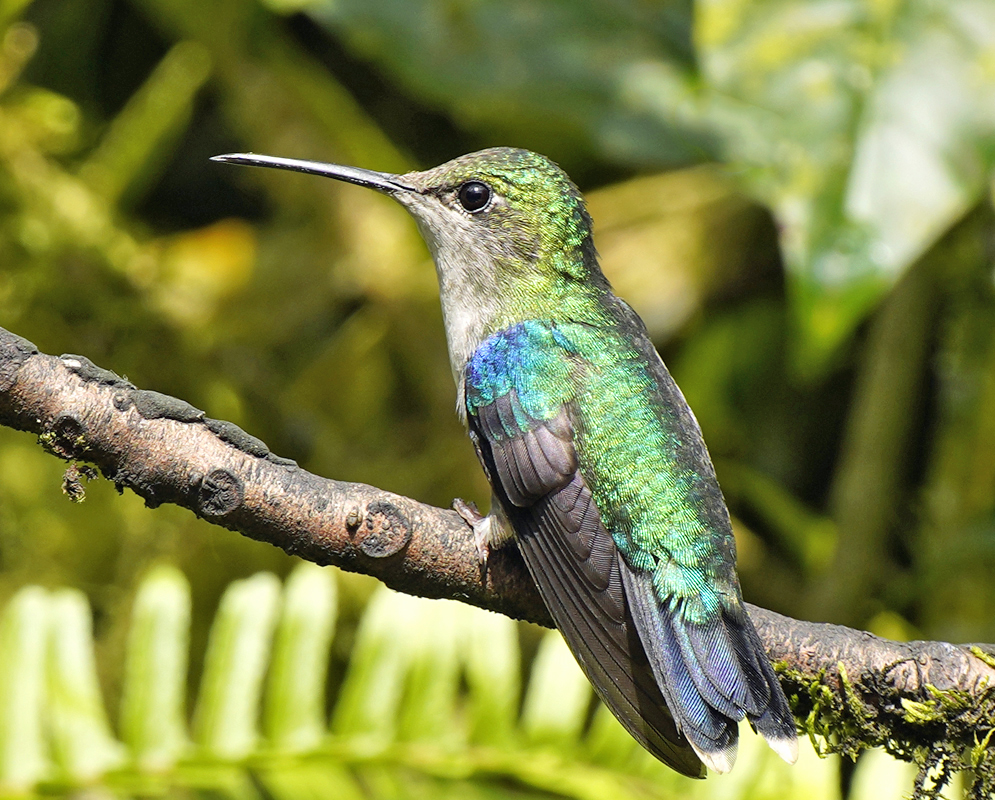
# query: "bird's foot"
481, 527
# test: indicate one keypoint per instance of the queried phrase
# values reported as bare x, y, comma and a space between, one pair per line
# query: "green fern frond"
431, 706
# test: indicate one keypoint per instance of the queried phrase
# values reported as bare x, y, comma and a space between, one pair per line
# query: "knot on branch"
386, 531
66, 437
220, 492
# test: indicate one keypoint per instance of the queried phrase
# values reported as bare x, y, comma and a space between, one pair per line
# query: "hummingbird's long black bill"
381, 181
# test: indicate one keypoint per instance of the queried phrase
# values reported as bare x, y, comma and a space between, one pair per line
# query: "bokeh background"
796, 195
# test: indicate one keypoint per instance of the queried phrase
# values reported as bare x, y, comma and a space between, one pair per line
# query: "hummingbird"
598, 467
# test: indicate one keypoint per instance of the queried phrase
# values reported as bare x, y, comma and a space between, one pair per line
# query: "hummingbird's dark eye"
474, 195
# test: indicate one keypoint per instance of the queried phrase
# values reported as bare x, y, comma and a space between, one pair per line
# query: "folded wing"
575, 564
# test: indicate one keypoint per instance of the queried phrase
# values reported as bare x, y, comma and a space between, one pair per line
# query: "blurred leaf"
672, 242
153, 701
807, 537
81, 735
609, 743
493, 674
367, 709
294, 712
17, 46
879, 777
433, 683
955, 548
56, 209
138, 140
400, 719
199, 269
761, 775
307, 781
225, 720
867, 126
24, 626
559, 695
556, 77
10, 10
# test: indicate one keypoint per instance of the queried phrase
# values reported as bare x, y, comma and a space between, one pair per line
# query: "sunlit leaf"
867, 126
555, 77
493, 673
433, 682
153, 700
83, 744
24, 756
294, 712
399, 719
558, 697
371, 693
226, 717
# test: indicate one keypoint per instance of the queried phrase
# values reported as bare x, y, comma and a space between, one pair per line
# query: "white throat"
468, 309
468, 284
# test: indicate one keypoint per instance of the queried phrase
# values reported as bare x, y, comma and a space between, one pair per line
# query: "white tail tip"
786, 748
720, 761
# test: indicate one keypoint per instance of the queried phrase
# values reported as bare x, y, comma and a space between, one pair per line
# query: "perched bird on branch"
598, 466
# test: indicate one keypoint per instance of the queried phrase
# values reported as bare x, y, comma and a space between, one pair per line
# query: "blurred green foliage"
795, 194
866, 125
429, 706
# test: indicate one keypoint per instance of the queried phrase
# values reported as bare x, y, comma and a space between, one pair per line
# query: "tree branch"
928, 702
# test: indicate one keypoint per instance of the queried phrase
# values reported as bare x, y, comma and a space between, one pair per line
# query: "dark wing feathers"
529, 462
648, 664
590, 610
574, 562
553, 440
582, 540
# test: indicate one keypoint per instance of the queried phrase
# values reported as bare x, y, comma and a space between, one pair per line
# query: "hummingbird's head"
508, 231
511, 212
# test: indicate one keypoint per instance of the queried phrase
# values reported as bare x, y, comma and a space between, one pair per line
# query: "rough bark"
928, 702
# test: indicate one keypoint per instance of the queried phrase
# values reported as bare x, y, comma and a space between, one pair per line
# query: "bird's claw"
480, 524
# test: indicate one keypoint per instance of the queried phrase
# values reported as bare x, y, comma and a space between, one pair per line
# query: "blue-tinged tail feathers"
712, 675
